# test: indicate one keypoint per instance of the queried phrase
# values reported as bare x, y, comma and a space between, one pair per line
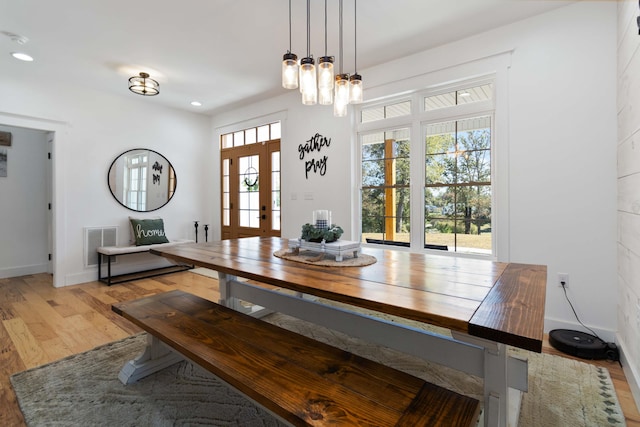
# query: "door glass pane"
275, 190
226, 206
249, 191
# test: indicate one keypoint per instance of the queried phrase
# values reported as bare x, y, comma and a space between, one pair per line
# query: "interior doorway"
250, 177
26, 222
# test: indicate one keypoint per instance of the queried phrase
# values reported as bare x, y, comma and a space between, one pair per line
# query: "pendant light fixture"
341, 99
289, 63
143, 85
321, 85
308, 84
325, 70
355, 81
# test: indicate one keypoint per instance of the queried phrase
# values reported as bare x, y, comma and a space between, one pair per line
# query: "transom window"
251, 136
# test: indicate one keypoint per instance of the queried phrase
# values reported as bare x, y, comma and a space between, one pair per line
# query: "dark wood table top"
502, 302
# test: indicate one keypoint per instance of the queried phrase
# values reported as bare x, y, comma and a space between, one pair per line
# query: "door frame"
233, 154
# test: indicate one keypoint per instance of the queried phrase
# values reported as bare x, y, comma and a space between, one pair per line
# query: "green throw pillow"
148, 231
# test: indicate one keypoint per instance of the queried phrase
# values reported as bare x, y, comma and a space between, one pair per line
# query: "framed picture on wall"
5, 139
3, 162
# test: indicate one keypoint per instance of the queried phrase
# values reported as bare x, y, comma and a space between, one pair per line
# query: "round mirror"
142, 180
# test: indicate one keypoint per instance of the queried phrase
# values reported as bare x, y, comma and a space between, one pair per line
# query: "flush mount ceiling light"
143, 85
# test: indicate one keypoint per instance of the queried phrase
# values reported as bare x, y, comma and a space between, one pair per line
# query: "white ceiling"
225, 52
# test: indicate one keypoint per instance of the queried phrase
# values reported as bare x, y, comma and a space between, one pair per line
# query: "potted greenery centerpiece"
313, 234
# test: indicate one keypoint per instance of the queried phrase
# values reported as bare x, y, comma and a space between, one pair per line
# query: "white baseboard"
631, 370
24, 270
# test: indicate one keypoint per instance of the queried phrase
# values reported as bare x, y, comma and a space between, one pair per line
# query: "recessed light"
196, 104
464, 93
22, 56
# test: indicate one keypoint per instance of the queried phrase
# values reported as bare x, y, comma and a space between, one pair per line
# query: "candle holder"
322, 219
206, 232
195, 224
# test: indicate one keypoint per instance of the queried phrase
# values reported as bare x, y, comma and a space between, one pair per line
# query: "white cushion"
131, 249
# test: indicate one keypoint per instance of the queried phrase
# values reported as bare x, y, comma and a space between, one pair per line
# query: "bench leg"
155, 357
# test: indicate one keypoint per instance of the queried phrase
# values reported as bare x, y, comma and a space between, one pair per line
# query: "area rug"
84, 390
325, 260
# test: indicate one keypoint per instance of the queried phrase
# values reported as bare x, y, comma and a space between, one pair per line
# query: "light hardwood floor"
41, 324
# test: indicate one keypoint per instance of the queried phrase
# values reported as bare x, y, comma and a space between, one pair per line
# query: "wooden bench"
114, 251
301, 380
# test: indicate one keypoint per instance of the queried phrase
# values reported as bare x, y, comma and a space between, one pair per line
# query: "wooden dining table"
484, 306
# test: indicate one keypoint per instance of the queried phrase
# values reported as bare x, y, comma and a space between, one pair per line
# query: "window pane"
458, 185
459, 97
250, 136
372, 114
275, 130
227, 140
398, 110
263, 133
385, 186
238, 139
373, 173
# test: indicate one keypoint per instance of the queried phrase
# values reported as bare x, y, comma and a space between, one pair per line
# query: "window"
136, 182
385, 187
452, 209
458, 185
251, 136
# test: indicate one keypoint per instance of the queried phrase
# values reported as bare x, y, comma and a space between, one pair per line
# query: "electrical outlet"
563, 278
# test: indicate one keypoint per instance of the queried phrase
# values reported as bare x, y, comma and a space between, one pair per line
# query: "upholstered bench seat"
112, 251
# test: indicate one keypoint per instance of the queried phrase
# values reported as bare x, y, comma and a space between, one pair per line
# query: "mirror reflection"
142, 180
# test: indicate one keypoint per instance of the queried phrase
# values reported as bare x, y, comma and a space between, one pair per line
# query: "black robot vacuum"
582, 345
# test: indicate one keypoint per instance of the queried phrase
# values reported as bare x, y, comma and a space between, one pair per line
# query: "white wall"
91, 130
24, 225
561, 132
629, 193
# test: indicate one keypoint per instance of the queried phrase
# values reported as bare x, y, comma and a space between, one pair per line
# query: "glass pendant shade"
341, 100
308, 85
325, 96
289, 71
355, 89
325, 72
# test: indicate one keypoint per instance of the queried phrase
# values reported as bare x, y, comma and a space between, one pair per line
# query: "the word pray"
317, 166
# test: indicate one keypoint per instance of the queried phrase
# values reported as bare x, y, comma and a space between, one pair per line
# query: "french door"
251, 190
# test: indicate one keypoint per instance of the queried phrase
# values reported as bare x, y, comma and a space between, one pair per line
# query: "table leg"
496, 392
156, 356
496, 388
225, 289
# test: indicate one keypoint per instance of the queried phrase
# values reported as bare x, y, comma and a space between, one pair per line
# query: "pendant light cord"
289, 26
308, 28
325, 27
341, 37
355, 37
